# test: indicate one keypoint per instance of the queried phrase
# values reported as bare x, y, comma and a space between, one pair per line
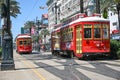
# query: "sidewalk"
24, 70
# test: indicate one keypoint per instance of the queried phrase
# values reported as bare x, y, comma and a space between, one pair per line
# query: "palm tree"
110, 5
106, 5
29, 25
14, 11
117, 2
14, 8
35, 38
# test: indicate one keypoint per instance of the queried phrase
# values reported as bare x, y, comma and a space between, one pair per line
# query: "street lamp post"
38, 25
7, 44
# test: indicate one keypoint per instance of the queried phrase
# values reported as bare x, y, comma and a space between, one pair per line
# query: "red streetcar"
83, 37
24, 43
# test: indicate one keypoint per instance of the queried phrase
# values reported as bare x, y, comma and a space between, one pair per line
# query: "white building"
51, 13
62, 9
113, 21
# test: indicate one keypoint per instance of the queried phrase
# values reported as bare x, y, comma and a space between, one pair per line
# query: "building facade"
113, 17
59, 10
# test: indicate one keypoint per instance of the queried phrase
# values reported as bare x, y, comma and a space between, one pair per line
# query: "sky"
29, 12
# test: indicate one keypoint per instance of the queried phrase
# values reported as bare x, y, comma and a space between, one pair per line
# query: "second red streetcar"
83, 37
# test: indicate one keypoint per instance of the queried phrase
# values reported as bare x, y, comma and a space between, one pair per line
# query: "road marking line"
113, 67
53, 64
94, 75
34, 70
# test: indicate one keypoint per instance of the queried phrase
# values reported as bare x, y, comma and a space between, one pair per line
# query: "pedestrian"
39, 47
42, 47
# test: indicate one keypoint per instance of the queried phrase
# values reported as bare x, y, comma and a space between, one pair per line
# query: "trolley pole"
7, 42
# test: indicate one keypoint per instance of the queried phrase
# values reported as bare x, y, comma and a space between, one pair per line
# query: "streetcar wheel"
53, 53
58, 55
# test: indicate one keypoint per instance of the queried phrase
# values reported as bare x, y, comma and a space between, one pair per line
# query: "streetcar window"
87, 33
20, 42
105, 32
71, 35
28, 42
97, 33
25, 42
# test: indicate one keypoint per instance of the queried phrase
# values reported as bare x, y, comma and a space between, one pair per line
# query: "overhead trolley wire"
31, 10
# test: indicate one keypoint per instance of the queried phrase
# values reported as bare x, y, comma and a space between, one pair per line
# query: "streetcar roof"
24, 36
90, 19
86, 19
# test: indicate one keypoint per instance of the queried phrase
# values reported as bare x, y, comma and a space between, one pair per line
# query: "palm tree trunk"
118, 10
98, 6
81, 6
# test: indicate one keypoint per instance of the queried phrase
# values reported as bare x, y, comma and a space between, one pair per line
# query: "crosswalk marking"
52, 63
111, 62
91, 75
61, 60
94, 75
114, 67
48, 75
84, 63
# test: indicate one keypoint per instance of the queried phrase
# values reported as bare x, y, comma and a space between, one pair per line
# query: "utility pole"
7, 42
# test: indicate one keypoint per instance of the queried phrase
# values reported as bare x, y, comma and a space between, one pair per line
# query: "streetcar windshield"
20, 43
25, 42
105, 31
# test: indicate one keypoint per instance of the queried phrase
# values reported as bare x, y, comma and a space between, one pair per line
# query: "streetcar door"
78, 39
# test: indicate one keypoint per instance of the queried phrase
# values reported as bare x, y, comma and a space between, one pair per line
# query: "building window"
111, 14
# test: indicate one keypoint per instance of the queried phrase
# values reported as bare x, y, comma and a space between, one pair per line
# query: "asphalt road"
63, 68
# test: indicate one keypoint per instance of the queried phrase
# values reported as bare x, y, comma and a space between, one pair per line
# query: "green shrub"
118, 53
115, 49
